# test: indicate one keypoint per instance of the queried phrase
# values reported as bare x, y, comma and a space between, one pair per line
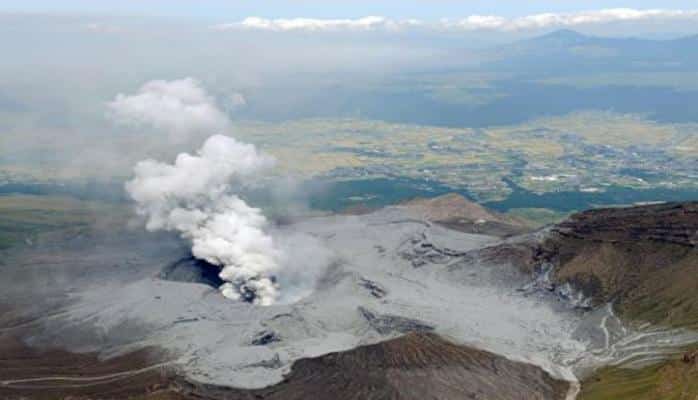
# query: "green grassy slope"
675, 379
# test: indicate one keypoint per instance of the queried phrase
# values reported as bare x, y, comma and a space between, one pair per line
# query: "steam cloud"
180, 108
195, 195
192, 196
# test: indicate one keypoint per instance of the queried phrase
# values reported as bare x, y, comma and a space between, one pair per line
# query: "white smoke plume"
195, 196
179, 107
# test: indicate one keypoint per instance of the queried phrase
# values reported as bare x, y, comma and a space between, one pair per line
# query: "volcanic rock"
387, 324
376, 289
264, 338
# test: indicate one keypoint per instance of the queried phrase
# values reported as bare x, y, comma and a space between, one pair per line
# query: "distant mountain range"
567, 51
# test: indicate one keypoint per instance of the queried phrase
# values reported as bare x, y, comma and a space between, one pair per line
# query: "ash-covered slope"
644, 259
392, 273
413, 367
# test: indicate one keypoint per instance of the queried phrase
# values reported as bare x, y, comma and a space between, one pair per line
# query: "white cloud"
553, 20
180, 108
470, 23
370, 23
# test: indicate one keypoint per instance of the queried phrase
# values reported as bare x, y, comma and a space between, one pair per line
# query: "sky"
423, 9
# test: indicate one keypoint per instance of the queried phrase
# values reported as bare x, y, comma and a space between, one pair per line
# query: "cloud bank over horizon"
466, 24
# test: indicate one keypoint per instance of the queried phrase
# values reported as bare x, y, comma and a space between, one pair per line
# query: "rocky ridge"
415, 366
456, 212
644, 259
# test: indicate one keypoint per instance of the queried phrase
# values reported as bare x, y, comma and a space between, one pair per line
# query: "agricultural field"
589, 153
586, 151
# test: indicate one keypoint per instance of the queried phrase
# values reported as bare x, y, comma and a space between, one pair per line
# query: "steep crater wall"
643, 259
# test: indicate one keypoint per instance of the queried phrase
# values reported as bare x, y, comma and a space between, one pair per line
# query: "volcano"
408, 307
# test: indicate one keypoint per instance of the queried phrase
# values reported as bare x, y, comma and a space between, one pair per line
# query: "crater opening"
192, 270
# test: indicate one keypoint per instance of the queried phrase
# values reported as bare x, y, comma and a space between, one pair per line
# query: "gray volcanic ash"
218, 341
413, 367
370, 293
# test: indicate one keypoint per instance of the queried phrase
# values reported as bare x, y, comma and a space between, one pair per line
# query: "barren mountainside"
414, 367
643, 259
456, 212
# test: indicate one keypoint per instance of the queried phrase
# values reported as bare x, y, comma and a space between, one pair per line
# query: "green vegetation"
672, 297
586, 154
676, 379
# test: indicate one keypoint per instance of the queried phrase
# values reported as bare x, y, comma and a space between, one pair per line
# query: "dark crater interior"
192, 270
